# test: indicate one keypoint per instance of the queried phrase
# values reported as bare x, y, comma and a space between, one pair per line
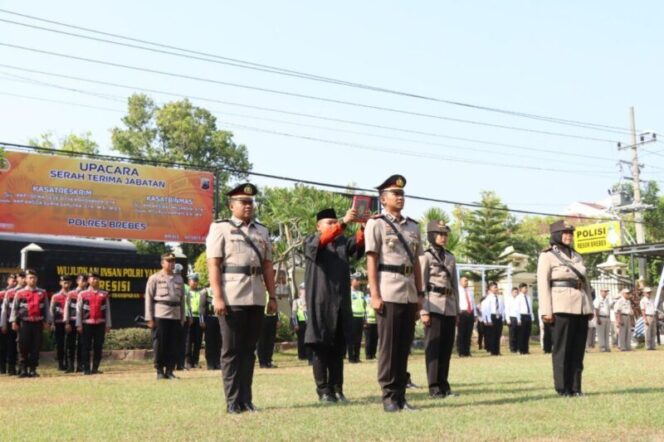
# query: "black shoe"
169, 375
269, 365
328, 399
33, 373
248, 406
390, 407
405, 406
578, 394
341, 398
451, 394
437, 395
234, 409
411, 384
79, 369
23, 374
160, 374
3, 370
97, 371
69, 370
87, 372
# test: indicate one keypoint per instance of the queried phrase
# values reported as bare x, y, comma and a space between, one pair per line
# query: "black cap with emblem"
169, 256
394, 182
437, 227
243, 191
326, 213
561, 226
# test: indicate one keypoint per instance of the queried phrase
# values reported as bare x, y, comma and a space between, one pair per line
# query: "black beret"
326, 213
561, 226
247, 190
393, 182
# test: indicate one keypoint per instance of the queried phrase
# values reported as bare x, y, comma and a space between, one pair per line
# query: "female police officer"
565, 303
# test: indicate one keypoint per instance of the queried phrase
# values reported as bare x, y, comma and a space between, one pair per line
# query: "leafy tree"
75, 143
192, 251
200, 267
179, 132
151, 247
488, 234
529, 236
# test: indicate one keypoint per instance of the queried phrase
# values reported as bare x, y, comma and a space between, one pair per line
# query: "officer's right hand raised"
219, 307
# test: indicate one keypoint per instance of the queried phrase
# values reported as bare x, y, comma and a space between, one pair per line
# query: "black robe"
327, 287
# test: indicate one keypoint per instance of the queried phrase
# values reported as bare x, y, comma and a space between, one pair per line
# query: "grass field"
509, 397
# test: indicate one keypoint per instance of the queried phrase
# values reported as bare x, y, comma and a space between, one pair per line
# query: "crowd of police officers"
237, 314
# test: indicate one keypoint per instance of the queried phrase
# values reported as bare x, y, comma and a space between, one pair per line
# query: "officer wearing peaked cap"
239, 255
393, 246
565, 302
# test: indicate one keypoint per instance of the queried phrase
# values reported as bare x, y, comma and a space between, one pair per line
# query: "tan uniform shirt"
164, 297
224, 241
647, 306
433, 275
623, 306
379, 238
561, 299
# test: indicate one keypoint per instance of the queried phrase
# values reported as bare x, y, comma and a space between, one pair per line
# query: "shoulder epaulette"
222, 221
377, 216
260, 224
411, 219
548, 249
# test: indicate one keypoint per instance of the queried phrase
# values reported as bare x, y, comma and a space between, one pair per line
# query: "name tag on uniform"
236, 232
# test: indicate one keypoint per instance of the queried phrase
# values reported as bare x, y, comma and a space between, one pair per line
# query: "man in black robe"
327, 282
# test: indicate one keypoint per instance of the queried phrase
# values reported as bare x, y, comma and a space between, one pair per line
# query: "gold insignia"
399, 182
248, 190
441, 224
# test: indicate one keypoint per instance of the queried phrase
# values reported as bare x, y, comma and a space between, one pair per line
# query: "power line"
401, 152
297, 114
253, 117
303, 96
16, 146
287, 72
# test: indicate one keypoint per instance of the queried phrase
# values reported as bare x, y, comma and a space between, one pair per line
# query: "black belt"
441, 290
169, 303
570, 283
405, 270
603, 316
245, 270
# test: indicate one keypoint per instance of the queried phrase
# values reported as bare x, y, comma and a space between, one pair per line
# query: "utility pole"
636, 176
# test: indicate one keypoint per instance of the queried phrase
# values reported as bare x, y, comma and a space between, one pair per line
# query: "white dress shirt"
492, 305
465, 295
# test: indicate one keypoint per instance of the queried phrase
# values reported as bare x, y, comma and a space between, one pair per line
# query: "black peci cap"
326, 213
393, 182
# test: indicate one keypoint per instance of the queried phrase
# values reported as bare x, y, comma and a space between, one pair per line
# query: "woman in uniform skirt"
565, 303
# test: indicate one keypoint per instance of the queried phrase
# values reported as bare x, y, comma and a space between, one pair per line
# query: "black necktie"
497, 307
527, 304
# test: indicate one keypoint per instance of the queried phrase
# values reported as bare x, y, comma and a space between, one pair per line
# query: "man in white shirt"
603, 306
467, 315
493, 312
649, 318
523, 307
513, 319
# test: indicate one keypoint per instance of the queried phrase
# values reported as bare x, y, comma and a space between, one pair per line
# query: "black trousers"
569, 347
438, 344
212, 342
12, 347
4, 343
182, 345
481, 331
302, 351
524, 334
93, 336
547, 339
328, 363
29, 343
493, 334
357, 326
266, 340
396, 328
74, 347
514, 334
194, 340
239, 330
465, 333
370, 341
164, 342
59, 335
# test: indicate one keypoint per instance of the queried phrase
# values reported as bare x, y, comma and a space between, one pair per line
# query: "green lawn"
501, 398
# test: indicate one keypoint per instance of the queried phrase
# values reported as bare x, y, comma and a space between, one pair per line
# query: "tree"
179, 132
151, 247
529, 236
436, 214
488, 234
83, 143
200, 267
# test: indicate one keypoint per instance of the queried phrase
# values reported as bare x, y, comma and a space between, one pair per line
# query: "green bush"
285, 332
128, 339
48, 340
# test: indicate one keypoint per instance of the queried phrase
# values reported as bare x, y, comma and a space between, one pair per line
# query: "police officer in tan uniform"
239, 255
165, 315
649, 314
565, 302
441, 308
624, 320
393, 246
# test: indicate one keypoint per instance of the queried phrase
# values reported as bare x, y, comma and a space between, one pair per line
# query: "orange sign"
73, 196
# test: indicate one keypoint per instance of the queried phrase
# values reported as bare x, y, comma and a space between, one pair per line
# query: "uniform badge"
399, 182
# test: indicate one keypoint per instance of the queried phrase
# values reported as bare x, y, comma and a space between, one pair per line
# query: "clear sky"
586, 61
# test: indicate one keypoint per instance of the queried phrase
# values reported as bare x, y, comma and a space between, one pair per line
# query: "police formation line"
405, 282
